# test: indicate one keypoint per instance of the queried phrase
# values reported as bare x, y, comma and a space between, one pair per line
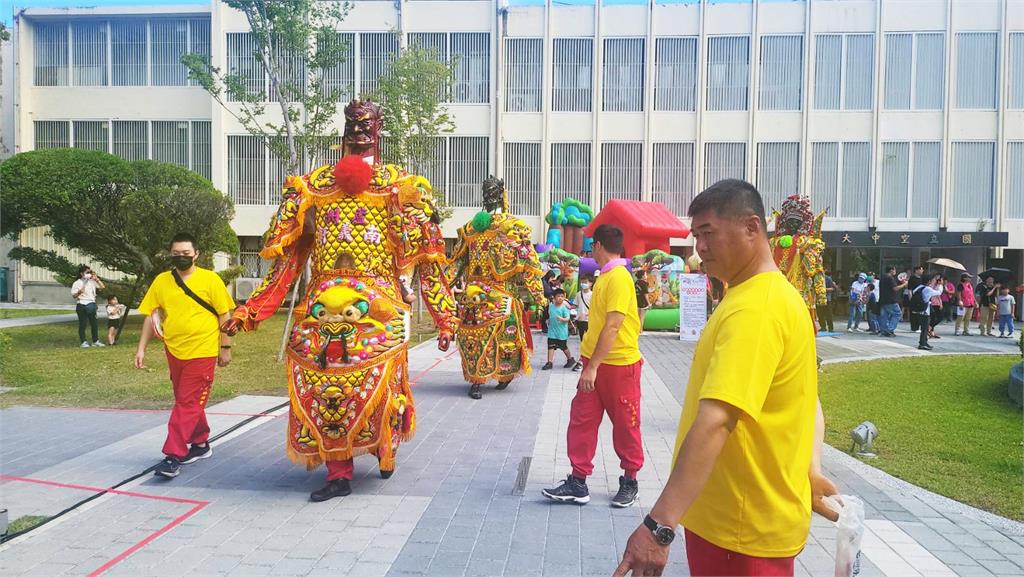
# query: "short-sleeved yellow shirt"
190, 331
614, 292
758, 354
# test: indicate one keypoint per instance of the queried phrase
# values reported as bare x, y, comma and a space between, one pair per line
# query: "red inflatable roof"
647, 219
645, 225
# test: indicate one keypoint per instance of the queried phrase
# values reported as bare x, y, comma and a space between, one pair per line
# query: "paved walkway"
464, 501
71, 316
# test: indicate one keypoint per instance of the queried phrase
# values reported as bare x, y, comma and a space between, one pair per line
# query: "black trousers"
581, 327
825, 320
87, 314
922, 322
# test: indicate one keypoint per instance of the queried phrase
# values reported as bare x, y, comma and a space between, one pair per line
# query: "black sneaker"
335, 488
578, 367
547, 367
628, 489
570, 363
572, 490
502, 385
196, 452
474, 392
169, 467
925, 347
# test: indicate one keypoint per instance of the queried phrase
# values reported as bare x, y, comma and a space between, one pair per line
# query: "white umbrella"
945, 262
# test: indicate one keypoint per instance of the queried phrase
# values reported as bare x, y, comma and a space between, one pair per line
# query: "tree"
119, 214
296, 49
412, 94
654, 259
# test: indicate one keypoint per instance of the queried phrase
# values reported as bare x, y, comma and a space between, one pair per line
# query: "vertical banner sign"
693, 305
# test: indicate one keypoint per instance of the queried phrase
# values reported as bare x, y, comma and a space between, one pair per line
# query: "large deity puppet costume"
366, 228
799, 251
495, 259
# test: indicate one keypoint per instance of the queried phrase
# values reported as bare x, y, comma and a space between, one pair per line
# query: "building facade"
905, 119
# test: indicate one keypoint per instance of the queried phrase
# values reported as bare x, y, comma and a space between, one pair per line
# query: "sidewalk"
465, 499
101, 314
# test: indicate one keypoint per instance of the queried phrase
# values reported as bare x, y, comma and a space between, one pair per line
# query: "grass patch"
945, 423
23, 313
46, 366
25, 523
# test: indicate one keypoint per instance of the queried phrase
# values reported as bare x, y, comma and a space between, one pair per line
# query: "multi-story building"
904, 118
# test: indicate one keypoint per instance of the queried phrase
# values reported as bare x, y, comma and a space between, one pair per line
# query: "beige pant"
964, 320
985, 318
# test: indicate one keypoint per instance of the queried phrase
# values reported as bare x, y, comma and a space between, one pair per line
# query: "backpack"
917, 302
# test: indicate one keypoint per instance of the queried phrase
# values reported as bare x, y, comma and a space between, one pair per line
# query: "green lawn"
46, 366
23, 313
945, 423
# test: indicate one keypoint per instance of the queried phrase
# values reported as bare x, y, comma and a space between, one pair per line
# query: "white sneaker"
849, 329
85, 344
98, 344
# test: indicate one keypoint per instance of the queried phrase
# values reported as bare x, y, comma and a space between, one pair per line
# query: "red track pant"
709, 560
616, 392
192, 380
340, 470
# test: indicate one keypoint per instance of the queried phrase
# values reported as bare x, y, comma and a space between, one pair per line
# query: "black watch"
663, 534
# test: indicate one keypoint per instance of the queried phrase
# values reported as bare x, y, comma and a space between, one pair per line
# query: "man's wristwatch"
663, 534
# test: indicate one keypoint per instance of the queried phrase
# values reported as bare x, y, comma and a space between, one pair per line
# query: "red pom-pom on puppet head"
352, 175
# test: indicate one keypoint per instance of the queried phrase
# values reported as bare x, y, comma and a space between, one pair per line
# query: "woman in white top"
583, 310
84, 292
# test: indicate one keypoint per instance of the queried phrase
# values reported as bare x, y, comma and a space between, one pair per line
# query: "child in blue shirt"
558, 330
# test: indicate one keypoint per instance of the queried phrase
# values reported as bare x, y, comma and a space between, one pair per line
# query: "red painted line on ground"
147, 540
197, 506
102, 490
432, 367
106, 410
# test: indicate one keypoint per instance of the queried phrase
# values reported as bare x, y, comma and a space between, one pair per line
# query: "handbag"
181, 284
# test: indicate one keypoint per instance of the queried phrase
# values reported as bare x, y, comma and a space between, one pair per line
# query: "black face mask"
182, 263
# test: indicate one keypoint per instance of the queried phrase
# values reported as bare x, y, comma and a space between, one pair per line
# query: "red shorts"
709, 560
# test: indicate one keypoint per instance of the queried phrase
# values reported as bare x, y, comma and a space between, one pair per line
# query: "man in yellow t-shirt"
194, 345
749, 441
610, 380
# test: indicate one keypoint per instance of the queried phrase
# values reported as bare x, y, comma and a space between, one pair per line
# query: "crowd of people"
925, 300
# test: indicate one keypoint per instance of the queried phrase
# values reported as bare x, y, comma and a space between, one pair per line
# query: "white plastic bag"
851, 531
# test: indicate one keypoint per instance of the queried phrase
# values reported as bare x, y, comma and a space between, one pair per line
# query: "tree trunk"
127, 309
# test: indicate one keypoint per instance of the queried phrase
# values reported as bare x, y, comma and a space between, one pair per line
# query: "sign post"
693, 305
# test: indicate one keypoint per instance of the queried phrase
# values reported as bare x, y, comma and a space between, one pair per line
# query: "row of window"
183, 142
372, 52
137, 52
840, 175
910, 181
125, 52
459, 165
148, 52
844, 79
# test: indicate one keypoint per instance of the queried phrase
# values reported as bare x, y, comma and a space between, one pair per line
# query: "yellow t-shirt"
758, 354
613, 292
190, 331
